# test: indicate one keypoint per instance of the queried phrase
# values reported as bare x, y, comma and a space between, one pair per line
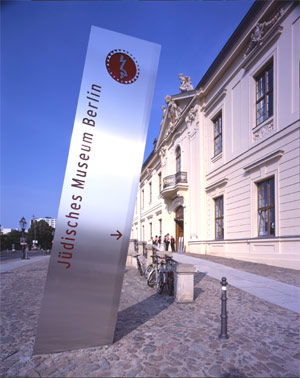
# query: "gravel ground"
154, 335
285, 275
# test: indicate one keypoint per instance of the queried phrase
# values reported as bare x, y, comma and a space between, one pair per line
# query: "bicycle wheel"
147, 271
170, 283
152, 278
160, 286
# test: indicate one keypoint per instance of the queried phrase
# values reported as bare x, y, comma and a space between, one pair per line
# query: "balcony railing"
172, 180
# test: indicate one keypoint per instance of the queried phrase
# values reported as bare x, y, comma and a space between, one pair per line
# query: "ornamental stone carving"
168, 98
173, 111
163, 155
266, 129
260, 30
185, 83
192, 118
163, 108
191, 115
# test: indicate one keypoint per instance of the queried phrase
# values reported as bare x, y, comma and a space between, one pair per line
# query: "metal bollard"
223, 334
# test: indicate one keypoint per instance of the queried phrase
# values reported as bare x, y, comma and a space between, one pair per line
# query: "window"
142, 199
219, 218
150, 225
218, 135
178, 159
264, 94
266, 208
150, 192
143, 233
159, 182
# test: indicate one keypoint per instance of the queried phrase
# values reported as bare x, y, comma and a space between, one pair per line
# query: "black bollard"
223, 334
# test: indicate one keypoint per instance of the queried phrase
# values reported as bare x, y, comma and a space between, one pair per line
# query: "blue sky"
43, 47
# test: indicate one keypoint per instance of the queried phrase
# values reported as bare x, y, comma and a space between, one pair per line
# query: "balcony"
173, 184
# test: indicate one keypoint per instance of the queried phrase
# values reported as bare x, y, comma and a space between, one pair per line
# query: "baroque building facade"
224, 174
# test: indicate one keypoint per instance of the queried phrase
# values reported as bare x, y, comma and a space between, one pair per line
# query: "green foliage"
40, 231
11, 238
43, 233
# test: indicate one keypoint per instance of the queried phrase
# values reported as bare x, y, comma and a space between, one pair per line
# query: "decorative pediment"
176, 105
264, 160
170, 116
149, 171
216, 184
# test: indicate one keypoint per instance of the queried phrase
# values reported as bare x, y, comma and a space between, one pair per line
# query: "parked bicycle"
150, 267
166, 276
153, 273
139, 264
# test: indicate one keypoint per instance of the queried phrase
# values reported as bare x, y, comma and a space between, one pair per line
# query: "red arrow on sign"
119, 235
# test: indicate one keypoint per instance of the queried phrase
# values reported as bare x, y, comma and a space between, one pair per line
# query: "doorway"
179, 220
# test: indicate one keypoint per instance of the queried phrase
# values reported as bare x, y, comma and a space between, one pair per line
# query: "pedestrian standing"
172, 244
167, 241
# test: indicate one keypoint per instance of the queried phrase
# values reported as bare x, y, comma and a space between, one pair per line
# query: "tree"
11, 238
44, 234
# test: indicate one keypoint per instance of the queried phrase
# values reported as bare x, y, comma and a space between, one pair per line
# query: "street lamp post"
23, 224
34, 230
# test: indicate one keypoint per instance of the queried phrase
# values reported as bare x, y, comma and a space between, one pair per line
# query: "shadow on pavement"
134, 316
198, 278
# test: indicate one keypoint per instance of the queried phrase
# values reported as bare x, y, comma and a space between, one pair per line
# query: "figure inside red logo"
121, 67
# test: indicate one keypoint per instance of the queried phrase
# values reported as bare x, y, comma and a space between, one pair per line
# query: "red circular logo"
122, 66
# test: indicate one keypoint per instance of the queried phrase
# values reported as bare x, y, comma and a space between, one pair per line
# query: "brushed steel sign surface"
87, 263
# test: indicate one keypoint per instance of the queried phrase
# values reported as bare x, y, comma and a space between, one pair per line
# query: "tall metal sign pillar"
87, 263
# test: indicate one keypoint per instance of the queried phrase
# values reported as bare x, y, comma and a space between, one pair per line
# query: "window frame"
219, 136
150, 192
268, 92
159, 182
219, 218
142, 199
268, 208
178, 159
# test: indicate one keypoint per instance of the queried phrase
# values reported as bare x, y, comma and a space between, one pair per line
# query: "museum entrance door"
179, 220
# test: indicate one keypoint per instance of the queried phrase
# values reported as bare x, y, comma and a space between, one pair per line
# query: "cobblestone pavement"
155, 336
285, 275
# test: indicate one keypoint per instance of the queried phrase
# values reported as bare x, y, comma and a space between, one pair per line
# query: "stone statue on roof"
185, 83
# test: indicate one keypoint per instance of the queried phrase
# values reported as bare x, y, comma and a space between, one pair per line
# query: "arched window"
178, 159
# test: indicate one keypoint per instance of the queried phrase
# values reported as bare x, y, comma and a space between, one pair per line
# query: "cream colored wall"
240, 149
274, 145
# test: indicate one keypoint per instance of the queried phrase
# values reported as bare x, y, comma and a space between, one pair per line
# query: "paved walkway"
155, 336
7, 265
281, 294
